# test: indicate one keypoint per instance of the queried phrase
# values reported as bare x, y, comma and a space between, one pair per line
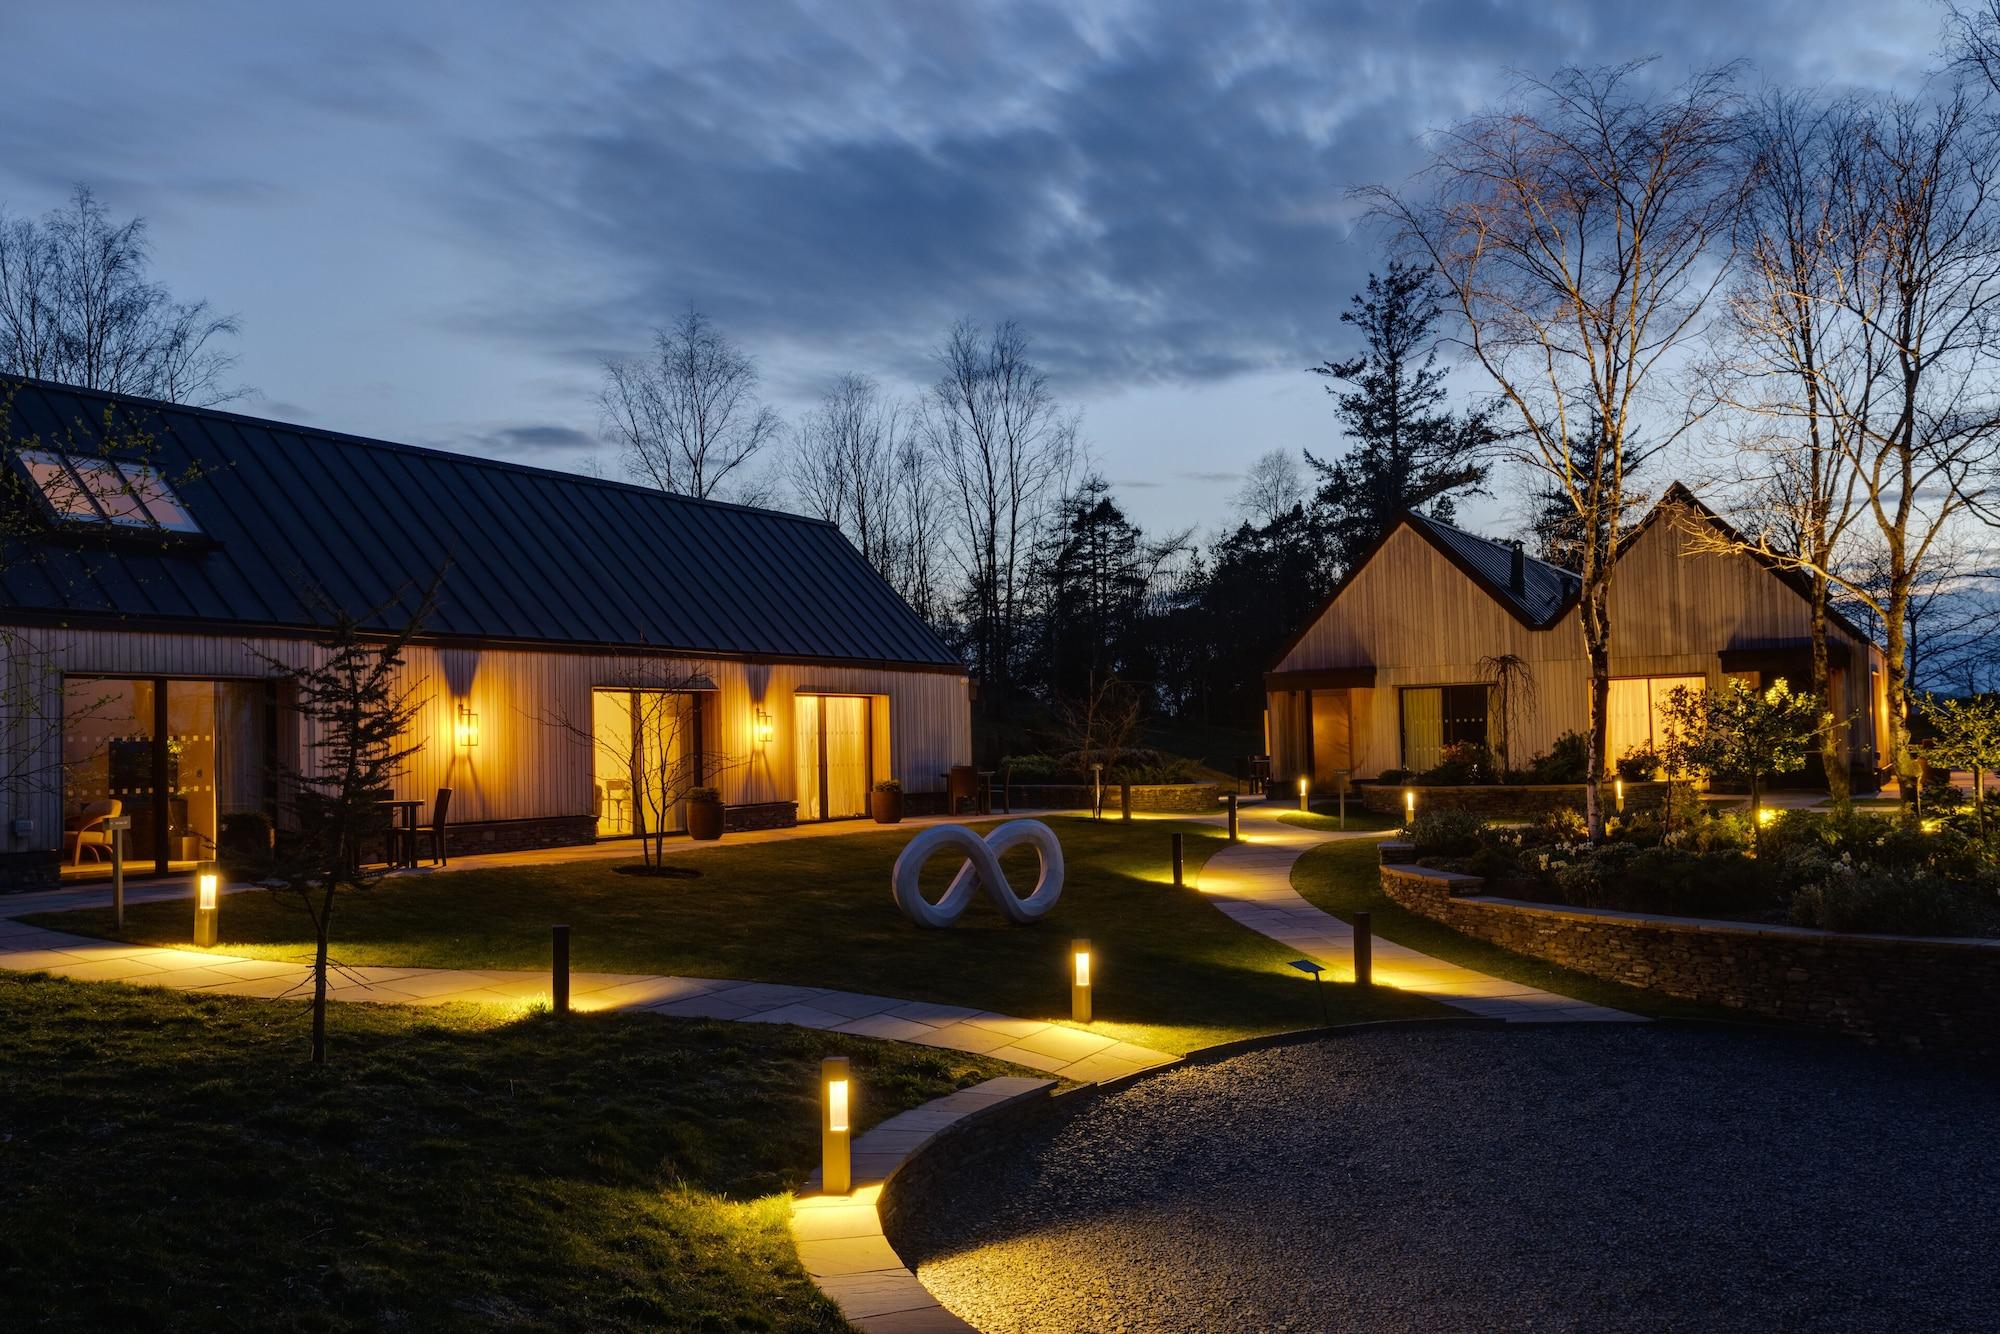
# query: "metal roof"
298, 517
1545, 589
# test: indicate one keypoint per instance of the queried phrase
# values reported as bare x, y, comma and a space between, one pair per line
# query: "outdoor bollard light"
1125, 801
116, 826
1618, 792
559, 972
207, 894
1409, 804
1079, 981
1231, 799
1364, 949
1180, 878
1303, 788
836, 1085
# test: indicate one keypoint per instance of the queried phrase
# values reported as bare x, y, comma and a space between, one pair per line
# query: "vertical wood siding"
527, 764
1419, 620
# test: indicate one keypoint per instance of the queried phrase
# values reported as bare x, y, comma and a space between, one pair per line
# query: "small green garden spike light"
836, 1120
207, 898
1079, 981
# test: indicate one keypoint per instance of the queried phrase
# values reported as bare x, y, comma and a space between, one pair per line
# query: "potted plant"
885, 803
704, 814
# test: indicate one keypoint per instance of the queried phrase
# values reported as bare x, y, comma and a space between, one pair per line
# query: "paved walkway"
1252, 883
1070, 1053
839, 1237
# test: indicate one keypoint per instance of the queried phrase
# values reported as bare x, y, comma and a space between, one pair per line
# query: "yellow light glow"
207, 886
1618, 787
836, 1105
1766, 814
765, 729
1083, 968
1302, 785
1409, 802
465, 728
1932, 826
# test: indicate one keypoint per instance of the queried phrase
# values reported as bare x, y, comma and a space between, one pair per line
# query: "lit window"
93, 490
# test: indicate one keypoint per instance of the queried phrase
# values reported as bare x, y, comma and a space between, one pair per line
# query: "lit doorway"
646, 744
835, 746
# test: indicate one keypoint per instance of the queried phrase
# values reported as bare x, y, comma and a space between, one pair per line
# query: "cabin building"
160, 573
1396, 665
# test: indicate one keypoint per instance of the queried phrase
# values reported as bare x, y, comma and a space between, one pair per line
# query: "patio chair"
439, 809
85, 830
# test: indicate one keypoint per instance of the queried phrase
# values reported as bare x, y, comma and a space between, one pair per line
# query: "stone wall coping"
1710, 925
1449, 878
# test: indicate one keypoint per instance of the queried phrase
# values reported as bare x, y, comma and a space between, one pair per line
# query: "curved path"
1069, 1053
1252, 882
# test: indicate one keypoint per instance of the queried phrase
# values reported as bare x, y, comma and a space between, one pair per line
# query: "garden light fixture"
1409, 804
465, 727
1305, 785
765, 731
207, 897
1079, 982
835, 1126
1618, 788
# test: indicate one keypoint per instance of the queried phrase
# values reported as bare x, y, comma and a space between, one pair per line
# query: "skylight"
126, 495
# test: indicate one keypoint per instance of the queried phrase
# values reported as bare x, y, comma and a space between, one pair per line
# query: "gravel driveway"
1560, 1178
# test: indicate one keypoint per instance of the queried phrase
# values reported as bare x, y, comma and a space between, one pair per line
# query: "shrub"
889, 785
1444, 832
704, 794
1029, 768
1391, 777
1567, 761
1846, 897
1565, 824
1168, 769
1673, 881
1639, 764
1460, 763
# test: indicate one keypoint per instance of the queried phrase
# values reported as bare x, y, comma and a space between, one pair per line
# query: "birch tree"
688, 417
1579, 234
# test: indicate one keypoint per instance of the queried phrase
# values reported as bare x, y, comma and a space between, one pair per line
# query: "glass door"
644, 741
834, 743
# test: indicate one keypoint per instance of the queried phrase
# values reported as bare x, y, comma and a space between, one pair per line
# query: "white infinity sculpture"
982, 867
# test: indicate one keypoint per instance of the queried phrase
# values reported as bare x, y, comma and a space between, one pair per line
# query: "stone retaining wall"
1520, 801
1190, 798
1921, 993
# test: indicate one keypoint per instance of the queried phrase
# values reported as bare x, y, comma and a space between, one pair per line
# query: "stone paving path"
1252, 883
839, 1237
1070, 1053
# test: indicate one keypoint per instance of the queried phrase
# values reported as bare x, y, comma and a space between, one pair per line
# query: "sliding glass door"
646, 745
833, 738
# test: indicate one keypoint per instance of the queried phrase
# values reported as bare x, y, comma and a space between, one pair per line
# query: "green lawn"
170, 1161
1324, 820
1345, 878
1172, 972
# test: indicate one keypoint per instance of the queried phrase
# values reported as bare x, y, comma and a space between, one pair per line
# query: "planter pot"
704, 820
886, 807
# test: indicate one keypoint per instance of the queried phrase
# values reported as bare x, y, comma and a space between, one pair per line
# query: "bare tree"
76, 307
1577, 233
922, 502
843, 466
688, 417
1273, 487
1004, 449
1788, 359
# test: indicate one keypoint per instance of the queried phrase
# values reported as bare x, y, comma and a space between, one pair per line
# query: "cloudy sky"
436, 220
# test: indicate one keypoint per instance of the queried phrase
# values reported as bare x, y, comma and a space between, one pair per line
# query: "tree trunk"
1595, 612
1756, 814
1896, 650
319, 983
1832, 739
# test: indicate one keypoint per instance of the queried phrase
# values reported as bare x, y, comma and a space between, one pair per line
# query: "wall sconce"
1304, 786
764, 730
836, 1168
207, 900
465, 727
1079, 981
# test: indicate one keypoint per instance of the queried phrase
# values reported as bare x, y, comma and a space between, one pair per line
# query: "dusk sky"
436, 223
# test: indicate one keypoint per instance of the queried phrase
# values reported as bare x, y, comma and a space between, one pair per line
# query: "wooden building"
1394, 667
162, 569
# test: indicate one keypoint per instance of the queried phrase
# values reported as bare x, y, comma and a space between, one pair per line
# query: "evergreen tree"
1408, 451
1094, 574
1556, 532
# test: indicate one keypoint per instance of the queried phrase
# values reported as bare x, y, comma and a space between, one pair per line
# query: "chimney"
1517, 577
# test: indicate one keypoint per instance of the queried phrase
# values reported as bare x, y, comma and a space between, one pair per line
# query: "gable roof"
532, 556
1548, 591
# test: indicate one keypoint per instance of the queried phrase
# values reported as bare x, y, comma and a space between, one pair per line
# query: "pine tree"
1408, 451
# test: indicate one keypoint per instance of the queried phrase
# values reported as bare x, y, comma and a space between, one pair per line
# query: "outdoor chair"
86, 830
439, 810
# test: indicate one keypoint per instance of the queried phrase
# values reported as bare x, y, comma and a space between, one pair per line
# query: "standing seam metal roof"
534, 555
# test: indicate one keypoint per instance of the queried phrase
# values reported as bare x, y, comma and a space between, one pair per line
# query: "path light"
836, 1104
1409, 805
559, 970
1180, 877
1234, 835
1079, 981
1309, 967
207, 897
1618, 787
1364, 949
1304, 787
